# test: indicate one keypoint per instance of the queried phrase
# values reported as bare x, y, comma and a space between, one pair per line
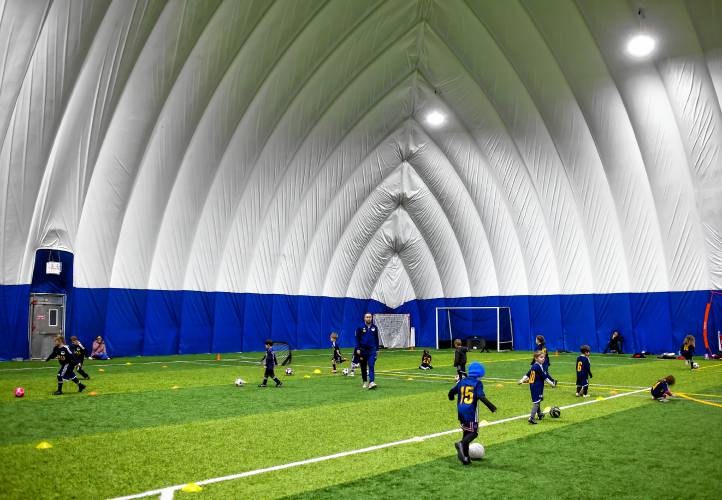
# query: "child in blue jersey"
687, 351
469, 391
269, 362
536, 376
336, 356
541, 346
660, 390
584, 371
64, 355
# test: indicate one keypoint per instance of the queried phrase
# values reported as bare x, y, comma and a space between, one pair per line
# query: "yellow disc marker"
164, 366
317, 371
547, 409
175, 387
191, 488
101, 370
483, 422
612, 392
128, 363
307, 376
409, 378
600, 398
499, 386
43, 445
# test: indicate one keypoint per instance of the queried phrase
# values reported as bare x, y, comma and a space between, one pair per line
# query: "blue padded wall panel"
163, 320
14, 310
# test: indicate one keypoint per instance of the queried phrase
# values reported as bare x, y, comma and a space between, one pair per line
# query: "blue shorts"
582, 381
537, 396
469, 426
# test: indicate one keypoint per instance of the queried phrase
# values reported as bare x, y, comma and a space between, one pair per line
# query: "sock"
82, 372
60, 387
579, 389
534, 410
276, 380
466, 441
265, 381
586, 389
333, 366
75, 380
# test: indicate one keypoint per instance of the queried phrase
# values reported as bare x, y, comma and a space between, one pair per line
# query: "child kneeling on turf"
584, 371
660, 390
536, 376
426, 361
469, 392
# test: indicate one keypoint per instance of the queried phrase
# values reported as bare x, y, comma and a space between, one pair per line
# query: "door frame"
30, 316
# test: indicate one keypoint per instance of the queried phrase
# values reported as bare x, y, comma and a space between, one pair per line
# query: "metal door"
47, 320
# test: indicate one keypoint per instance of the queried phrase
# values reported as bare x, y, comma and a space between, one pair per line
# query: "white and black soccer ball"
345, 372
695, 365
240, 382
289, 371
476, 451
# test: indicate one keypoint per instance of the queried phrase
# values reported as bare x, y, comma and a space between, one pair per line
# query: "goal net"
395, 330
493, 325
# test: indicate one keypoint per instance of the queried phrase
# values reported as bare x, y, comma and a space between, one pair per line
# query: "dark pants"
368, 363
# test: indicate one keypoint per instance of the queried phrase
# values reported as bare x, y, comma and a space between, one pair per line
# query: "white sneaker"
586, 395
372, 385
366, 385
577, 394
352, 374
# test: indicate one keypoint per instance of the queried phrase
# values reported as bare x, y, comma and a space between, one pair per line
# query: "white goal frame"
498, 324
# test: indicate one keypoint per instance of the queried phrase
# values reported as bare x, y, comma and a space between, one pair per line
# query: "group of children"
71, 359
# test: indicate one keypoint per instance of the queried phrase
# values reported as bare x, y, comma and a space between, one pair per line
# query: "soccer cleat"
81, 387
532, 421
460, 453
58, 393
262, 385
366, 385
577, 395
540, 416
334, 371
279, 384
663, 400
372, 385
86, 376
586, 395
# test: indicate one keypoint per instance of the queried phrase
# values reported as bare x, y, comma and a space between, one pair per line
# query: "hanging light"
435, 118
641, 45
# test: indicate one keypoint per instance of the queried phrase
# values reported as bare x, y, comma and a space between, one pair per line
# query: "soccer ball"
555, 412
345, 372
476, 451
289, 371
239, 382
19, 392
695, 365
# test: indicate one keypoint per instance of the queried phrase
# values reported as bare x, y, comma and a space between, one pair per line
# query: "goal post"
493, 324
395, 330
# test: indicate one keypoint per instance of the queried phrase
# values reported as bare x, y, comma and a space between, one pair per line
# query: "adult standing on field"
367, 346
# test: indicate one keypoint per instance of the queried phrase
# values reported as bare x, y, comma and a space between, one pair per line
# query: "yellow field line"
682, 395
716, 365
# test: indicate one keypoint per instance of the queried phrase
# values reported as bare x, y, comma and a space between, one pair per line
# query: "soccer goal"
395, 330
492, 324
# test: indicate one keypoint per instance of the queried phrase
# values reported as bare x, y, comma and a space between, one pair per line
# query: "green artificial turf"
159, 422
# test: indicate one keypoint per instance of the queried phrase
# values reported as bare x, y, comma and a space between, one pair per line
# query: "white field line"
167, 492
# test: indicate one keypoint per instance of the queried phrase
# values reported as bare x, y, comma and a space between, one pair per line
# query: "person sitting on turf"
615, 344
536, 377
687, 351
99, 350
660, 390
469, 391
426, 361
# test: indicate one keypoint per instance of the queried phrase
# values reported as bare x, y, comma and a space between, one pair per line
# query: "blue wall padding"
152, 322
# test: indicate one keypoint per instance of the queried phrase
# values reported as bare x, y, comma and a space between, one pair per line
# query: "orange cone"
218, 357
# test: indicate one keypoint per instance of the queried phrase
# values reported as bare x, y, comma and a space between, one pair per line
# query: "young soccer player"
460, 359
660, 390
426, 361
269, 362
469, 391
584, 371
536, 376
541, 346
336, 357
67, 362
367, 345
80, 353
687, 351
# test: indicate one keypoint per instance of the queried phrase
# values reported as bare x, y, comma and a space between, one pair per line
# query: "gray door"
47, 320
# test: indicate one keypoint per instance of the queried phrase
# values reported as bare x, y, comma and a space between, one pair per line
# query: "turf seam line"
167, 492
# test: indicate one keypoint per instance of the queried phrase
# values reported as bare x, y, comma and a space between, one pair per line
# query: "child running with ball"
536, 376
469, 391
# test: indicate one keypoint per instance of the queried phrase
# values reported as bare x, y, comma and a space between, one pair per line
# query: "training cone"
483, 422
409, 378
43, 445
92, 393
191, 488
499, 386
317, 371
101, 370
218, 357
175, 387
128, 363
612, 392
164, 366
600, 398
307, 376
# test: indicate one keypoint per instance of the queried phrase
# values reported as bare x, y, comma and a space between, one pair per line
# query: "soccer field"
159, 422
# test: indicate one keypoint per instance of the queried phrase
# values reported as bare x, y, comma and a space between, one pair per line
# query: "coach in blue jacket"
367, 345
